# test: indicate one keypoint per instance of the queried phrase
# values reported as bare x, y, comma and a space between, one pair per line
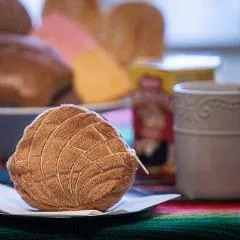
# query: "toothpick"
142, 166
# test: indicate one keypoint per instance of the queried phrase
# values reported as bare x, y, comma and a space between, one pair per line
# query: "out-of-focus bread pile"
35, 71
130, 29
31, 71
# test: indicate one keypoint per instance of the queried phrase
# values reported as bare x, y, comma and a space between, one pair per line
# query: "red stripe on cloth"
160, 188
197, 207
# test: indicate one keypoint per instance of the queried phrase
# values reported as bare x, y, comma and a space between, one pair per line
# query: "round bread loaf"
31, 72
70, 158
133, 29
15, 17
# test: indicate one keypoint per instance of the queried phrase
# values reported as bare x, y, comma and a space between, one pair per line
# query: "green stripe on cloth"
163, 227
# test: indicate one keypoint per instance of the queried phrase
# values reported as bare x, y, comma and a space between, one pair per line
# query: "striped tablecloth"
177, 219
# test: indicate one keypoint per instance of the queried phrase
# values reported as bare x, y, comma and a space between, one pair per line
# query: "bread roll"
31, 71
70, 158
133, 30
18, 16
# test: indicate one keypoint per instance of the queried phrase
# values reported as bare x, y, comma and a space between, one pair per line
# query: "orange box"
153, 110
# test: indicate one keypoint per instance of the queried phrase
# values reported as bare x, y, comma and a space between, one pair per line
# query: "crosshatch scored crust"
70, 158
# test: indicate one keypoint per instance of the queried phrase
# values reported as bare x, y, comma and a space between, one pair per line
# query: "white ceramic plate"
133, 202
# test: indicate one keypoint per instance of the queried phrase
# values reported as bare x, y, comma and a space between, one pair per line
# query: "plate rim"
123, 214
99, 107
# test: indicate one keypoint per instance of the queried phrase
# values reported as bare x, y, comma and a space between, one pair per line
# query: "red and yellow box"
153, 110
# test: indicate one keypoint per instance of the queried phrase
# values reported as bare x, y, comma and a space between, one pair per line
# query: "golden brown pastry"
133, 30
85, 12
15, 16
70, 158
31, 71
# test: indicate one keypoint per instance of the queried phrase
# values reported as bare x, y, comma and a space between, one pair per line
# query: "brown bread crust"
72, 159
31, 71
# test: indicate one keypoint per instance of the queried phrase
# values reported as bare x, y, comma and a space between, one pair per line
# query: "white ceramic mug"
207, 140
